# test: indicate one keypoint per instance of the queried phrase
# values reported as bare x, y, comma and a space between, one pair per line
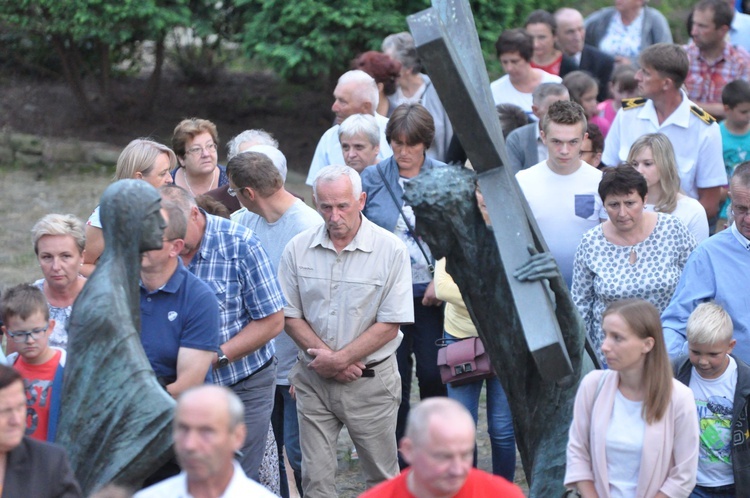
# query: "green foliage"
318, 38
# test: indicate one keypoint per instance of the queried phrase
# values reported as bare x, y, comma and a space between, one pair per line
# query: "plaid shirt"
233, 263
706, 81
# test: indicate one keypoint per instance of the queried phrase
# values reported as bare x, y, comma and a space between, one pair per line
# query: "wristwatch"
223, 360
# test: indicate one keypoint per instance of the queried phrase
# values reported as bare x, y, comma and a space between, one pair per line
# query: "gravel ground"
26, 196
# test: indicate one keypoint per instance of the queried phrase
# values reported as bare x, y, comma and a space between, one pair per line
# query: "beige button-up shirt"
340, 295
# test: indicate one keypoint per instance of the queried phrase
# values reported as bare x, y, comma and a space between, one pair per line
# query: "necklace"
633, 256
210, 186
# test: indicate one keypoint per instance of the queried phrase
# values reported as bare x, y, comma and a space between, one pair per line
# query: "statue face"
153, 228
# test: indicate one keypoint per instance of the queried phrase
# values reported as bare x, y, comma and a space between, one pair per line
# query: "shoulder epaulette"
633, 103
702, 115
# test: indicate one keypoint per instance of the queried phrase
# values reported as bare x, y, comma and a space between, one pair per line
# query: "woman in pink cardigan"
634, 430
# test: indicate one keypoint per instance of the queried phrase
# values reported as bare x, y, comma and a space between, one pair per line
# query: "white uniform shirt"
697, 144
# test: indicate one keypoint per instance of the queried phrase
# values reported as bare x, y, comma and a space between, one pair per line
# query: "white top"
692, 213
420, 272
697, 145
329, 152
564, 206
503, 92
176, 487
714, 399
624, 446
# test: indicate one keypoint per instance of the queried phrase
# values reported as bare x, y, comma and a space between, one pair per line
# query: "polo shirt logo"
171, 316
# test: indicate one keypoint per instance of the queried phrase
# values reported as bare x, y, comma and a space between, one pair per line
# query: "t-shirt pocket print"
585, 205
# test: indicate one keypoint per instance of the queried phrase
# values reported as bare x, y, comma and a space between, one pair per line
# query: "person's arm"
192, 367
329, 363
697, 284
611, 156
93, 249
710, 199
579, 468
253, 336
681, 477
445, 288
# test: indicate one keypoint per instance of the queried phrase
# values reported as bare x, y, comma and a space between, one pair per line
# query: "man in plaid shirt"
714, 62
230, 259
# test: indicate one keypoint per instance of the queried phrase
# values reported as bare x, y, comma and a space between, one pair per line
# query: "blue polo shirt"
182, 313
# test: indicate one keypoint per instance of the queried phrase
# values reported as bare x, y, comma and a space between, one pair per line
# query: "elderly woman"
415, 87
634, 254
142, 159
653, 156
196, 143
385, 71
624, 30
410, 132
58, 241
360, 141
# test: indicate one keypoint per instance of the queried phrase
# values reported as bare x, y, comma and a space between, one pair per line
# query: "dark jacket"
39, 470
740, 440
595, 62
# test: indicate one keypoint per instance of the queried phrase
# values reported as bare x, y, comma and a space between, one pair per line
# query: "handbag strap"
430, 265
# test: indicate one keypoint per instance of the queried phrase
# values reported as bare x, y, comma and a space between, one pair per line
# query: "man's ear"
177, 246
543, 136
406, 448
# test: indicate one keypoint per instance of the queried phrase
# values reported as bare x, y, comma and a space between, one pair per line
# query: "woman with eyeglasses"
142, 159
196, 142
653, 156
58, 241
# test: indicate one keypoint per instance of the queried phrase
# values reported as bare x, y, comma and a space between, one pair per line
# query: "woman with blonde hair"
634, 429
653, 156
142, 159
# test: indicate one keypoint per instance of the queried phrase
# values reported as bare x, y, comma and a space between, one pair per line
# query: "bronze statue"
450, 221
115, 419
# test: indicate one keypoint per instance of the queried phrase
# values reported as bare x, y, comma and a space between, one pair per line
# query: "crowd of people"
274, 324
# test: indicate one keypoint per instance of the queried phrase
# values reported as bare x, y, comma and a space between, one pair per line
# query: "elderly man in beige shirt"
348, 285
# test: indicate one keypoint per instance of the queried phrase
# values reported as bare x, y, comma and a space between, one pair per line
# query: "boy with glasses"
25, 312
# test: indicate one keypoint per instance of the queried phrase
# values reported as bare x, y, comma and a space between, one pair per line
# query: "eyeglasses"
587, 151
233, 191
21, 336
198, 150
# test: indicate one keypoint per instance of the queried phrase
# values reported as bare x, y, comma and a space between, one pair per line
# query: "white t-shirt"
420, 273
692, 214
624, 446
714, 399
564, 206
176, 487
503, 92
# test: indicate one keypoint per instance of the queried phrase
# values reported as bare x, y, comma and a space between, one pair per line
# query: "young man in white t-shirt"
562, 191
721, 386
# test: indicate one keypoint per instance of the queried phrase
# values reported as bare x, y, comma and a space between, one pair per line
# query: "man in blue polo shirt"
179, 314
230, 259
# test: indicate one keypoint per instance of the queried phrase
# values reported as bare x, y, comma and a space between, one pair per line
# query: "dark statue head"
130, 214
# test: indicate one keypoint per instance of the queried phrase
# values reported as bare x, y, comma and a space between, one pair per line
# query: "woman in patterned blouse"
634, 254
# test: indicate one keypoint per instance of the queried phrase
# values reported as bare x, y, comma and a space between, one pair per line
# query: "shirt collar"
362, 241
740, 238
680, 117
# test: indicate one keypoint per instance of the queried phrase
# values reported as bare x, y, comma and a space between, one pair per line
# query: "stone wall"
32, 151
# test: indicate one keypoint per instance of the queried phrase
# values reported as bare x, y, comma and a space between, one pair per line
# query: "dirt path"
25, 197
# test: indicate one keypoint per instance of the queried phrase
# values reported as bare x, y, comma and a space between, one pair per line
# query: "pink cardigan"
670, 447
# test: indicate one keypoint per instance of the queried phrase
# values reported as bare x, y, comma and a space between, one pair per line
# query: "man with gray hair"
275, 216
208, 430
355, 93
360, 141
348, 286
439, 446
524, 145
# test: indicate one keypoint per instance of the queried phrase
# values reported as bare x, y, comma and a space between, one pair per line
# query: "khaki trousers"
367, 406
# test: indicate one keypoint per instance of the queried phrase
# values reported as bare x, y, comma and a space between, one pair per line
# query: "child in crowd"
583, 90
735, 135
621, 86
721, 386
25, 314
